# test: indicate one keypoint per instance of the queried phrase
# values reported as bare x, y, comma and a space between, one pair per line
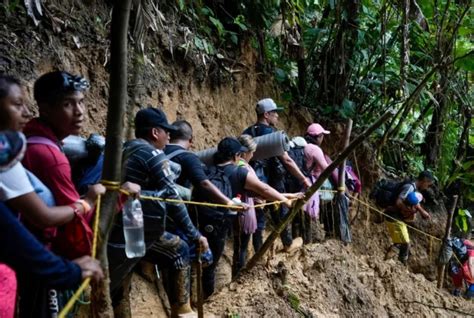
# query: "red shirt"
49, 164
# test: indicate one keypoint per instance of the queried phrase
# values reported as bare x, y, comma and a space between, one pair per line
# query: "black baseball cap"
152, 117
231, 146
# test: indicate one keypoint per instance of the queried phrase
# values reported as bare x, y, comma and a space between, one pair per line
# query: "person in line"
397, 225
272, 171
24, 193
192, 169
424, 180
27, 257
246, 222
215, 223
146, 164
461, 267
316, 162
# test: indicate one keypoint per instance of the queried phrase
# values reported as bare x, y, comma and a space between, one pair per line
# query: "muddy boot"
295, 245
404, 253
180, 289
182, 311
392, 251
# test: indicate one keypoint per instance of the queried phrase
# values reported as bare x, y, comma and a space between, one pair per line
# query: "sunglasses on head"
75, 82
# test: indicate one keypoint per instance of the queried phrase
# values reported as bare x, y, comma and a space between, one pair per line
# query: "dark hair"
220, 157
311, 139
51, 87
5, 82
142, 132
425, 175
184, 132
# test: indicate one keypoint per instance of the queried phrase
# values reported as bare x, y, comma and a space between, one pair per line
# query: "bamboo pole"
447, 234
324, 175
344, 231
101, 302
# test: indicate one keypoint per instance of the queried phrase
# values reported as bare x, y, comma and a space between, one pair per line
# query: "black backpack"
292, 184
385, 192
220, 177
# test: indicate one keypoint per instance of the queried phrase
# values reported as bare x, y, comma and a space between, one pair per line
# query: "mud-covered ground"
329, 279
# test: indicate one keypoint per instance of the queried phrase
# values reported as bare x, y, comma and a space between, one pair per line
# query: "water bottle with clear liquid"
133, 229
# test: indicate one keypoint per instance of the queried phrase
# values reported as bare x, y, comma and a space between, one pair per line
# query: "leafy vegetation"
355, 59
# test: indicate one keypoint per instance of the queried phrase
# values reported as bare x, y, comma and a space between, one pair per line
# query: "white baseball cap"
267, 105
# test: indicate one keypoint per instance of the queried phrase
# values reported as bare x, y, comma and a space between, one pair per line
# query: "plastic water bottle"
133, 229
237, 201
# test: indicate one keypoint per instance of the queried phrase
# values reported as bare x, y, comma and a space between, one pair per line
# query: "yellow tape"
391, 217
69, 305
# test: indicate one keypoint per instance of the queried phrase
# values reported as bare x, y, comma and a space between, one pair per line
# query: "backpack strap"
176, 153
42, 141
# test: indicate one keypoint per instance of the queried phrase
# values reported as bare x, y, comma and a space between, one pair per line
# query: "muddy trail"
327, 279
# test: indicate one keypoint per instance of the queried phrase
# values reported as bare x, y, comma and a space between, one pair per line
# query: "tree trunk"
405, 52
101, 302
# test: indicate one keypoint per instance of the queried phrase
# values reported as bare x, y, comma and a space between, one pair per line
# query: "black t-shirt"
259, 129
192, 169
237, 180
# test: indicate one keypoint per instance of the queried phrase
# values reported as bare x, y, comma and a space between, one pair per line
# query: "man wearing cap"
146, 164
397, 227
272, 171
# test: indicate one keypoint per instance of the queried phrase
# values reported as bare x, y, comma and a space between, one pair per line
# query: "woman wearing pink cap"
315, 162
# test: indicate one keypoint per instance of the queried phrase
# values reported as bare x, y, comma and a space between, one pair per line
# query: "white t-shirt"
14, 183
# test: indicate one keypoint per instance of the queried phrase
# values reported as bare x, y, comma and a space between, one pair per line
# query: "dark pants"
257, 237
215, 229
169, 252
278, 213
301, 226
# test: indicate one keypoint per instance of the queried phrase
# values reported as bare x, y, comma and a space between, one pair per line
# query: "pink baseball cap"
316, 129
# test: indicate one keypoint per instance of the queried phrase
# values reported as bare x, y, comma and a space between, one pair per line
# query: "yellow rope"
67, 308
396, 220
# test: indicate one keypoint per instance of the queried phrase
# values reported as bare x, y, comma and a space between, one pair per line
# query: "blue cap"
412, 198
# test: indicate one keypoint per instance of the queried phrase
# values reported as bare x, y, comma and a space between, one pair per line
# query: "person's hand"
297, 195
258, 200
288, 203
89, 267
132, 188
306, 183
203, 244
234, 206
93, 192
426, 216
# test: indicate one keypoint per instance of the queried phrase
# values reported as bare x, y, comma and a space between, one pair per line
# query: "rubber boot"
181, 286
295, 245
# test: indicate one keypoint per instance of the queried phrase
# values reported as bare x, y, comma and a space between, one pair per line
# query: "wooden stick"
343, 215
324, 175
447, 235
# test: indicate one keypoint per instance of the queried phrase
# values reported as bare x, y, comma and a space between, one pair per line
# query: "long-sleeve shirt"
149, 167
28, 257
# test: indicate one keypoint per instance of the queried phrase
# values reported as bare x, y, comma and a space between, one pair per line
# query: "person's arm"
27, 256
293, 169
423, 212
216, 195
252, 183
471, 265
38, 213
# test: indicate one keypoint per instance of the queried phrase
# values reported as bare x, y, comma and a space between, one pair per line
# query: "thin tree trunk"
447, 234
409, 136
101, 302
405, 52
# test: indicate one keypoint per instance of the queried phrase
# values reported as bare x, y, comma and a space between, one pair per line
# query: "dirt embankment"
326, 279
73, 36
